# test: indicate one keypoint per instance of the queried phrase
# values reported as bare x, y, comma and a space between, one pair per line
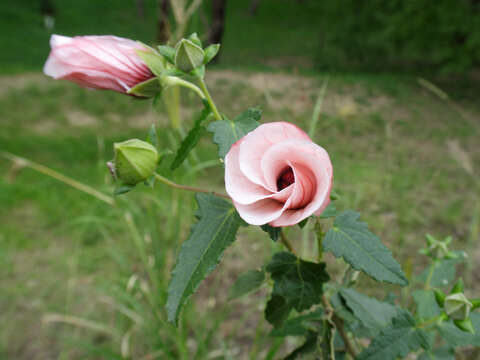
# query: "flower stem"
286, 242
431, 271
436, 319
203, 86
339, 326
188, 188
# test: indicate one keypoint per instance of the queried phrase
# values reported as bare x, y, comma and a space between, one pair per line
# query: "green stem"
431, 321
21, 162
319, 234
188, 188
203, 86
286, 242
431, 271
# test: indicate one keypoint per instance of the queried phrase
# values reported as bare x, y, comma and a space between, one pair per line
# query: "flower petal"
258, 141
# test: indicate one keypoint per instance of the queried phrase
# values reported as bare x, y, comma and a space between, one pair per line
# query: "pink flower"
99, 62
277, 175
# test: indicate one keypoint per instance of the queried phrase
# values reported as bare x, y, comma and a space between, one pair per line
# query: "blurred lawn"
248, 40
387, 137
65, 252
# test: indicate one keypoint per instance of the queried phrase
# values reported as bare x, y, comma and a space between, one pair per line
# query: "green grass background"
64, 252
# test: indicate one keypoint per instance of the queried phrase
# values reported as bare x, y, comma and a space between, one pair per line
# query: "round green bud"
134, 161
188, 55
457, 306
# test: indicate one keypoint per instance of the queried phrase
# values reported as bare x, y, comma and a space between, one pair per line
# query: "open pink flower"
99, 62
277, 175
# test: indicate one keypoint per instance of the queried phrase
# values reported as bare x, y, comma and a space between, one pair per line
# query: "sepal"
465, 325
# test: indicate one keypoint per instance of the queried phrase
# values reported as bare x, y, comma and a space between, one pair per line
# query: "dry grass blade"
83, 323
460, 156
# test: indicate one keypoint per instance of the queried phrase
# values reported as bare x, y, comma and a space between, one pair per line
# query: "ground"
404, 157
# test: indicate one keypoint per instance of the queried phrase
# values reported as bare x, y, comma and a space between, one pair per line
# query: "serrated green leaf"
397, 340
443, 353
210, 52
444, 273
300, 325
273, 232
192, 138
246, 283
153, 60
300, 282
201, 252
146, 89
329, 212
307, 347
227, 132
167, 52
351, 321
456, 337
123, 189
356, 244
427, 307
277, 310
373, 314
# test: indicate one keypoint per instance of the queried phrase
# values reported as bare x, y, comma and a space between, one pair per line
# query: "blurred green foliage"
400, 34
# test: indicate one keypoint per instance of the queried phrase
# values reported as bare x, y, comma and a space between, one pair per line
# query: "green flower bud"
134, 161
457, 306
188, 56
465, 325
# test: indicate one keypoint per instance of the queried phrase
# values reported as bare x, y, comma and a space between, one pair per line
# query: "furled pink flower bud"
277, 175
99, 62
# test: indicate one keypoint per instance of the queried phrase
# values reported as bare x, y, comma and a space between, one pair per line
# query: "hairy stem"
431, 271
188, 188
339, 326
203, 86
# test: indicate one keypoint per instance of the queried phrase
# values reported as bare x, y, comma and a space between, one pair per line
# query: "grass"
104, 270
67, 253
26, 38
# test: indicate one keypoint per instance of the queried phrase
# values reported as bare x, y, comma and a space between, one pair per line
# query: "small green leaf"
307, 347
167, 52
373, 314
456, 337
397, 340
153, 60
210, 52
147, 89
273, 232
352, 240
246, 283
277, 310
329, 212
192, 138
123, 189
200, 253
227, 132
300, 325
299, 282
443, 353
427, 307
304, 222
152, 136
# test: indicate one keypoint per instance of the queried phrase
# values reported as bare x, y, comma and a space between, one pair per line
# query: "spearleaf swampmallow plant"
276, 176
